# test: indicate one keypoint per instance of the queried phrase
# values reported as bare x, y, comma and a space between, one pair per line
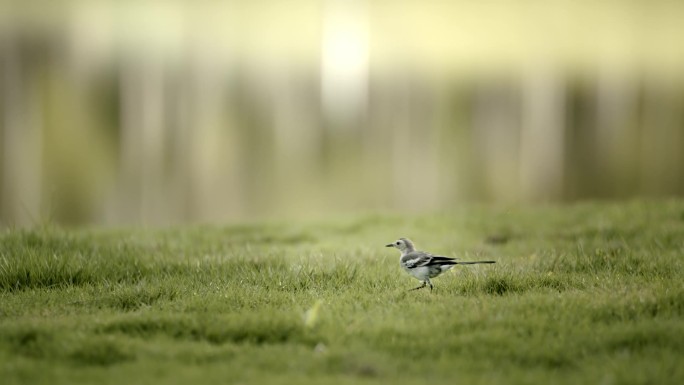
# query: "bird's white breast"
421, 273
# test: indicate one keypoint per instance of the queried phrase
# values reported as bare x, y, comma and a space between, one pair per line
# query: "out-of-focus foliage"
172, 111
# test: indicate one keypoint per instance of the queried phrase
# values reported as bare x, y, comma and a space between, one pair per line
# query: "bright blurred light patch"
344, 67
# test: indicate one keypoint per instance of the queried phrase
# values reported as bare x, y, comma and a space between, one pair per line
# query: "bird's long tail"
474, 262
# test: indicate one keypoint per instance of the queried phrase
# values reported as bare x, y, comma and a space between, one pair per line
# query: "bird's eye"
398, 243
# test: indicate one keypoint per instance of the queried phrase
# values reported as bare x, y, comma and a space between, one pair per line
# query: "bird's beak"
389, 245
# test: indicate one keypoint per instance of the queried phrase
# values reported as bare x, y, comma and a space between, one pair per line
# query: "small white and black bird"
422, 265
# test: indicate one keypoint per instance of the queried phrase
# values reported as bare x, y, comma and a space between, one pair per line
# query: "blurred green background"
166, 112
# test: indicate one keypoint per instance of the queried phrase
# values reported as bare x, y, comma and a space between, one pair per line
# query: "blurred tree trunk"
542, 137
142, 196
20, 134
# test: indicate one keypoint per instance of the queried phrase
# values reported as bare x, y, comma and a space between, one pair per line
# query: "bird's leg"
429, 283
420, 287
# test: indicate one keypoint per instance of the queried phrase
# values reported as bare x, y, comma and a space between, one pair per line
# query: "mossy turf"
583, 293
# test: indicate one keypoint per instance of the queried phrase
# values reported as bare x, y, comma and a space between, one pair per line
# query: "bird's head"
403, 244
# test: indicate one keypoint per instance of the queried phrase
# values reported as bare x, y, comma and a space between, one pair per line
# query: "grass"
586, 293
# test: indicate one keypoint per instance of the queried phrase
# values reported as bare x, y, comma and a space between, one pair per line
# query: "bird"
422, 265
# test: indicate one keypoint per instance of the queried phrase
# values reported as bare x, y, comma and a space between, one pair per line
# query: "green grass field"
589, 293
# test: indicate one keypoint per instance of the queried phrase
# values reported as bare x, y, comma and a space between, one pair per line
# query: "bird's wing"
415, 259
440, 260
420, 258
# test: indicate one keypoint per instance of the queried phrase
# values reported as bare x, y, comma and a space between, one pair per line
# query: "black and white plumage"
422, 265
